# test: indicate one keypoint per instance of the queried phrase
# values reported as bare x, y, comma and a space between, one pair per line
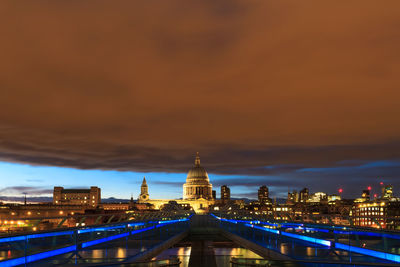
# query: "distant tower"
225, 193
263, 195
144, 191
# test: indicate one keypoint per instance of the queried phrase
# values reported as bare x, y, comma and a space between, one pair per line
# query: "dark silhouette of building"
304, 195
225, 193
366, 195
263, 195
292, 198
214, 194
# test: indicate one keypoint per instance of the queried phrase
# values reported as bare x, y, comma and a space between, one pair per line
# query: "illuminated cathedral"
197, 191
197, 182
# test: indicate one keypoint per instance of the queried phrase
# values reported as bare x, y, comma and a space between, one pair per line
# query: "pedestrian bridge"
138, 242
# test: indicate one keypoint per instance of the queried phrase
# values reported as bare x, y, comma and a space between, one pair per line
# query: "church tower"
144, 191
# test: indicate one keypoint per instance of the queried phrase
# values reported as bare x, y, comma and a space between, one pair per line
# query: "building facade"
85, 197
263, 195
387, 192
303, 195
225, 193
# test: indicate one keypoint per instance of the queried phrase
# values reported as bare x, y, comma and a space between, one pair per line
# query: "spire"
197, 161
144, 191
144, 183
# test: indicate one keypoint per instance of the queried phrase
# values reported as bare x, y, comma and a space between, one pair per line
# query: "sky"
283, 93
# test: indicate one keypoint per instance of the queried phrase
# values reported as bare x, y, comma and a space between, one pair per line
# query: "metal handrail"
247, 214
146, 216
235, 260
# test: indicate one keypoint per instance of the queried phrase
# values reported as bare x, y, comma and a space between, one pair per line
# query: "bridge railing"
26, 248
13, 224
347, 242
375, 219
255, 262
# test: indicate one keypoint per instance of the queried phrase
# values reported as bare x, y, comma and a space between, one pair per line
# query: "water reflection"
111, 253
97, 253
236, 252
310, 251
121, 253
223, 255
284, 248
182, 253
7, 254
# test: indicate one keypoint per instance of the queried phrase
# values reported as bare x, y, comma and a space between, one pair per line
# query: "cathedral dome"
197, 173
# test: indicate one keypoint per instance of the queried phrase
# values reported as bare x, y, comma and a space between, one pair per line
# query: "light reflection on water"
310, 251
97, 253
116, 252
7, 254
121, 253
236, 252
183, 253
284, 248
223, 255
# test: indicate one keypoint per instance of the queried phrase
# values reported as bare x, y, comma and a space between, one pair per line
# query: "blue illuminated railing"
369, 252
301, 237
117, 231
263, 228
330, 232
113, 237
308, 239
38, 256
32, 236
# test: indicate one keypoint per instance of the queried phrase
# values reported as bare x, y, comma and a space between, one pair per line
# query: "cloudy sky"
283, 93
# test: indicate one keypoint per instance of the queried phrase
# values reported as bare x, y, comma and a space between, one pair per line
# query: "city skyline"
27, 177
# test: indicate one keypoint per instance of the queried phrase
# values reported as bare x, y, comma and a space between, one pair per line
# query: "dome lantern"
197, 160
